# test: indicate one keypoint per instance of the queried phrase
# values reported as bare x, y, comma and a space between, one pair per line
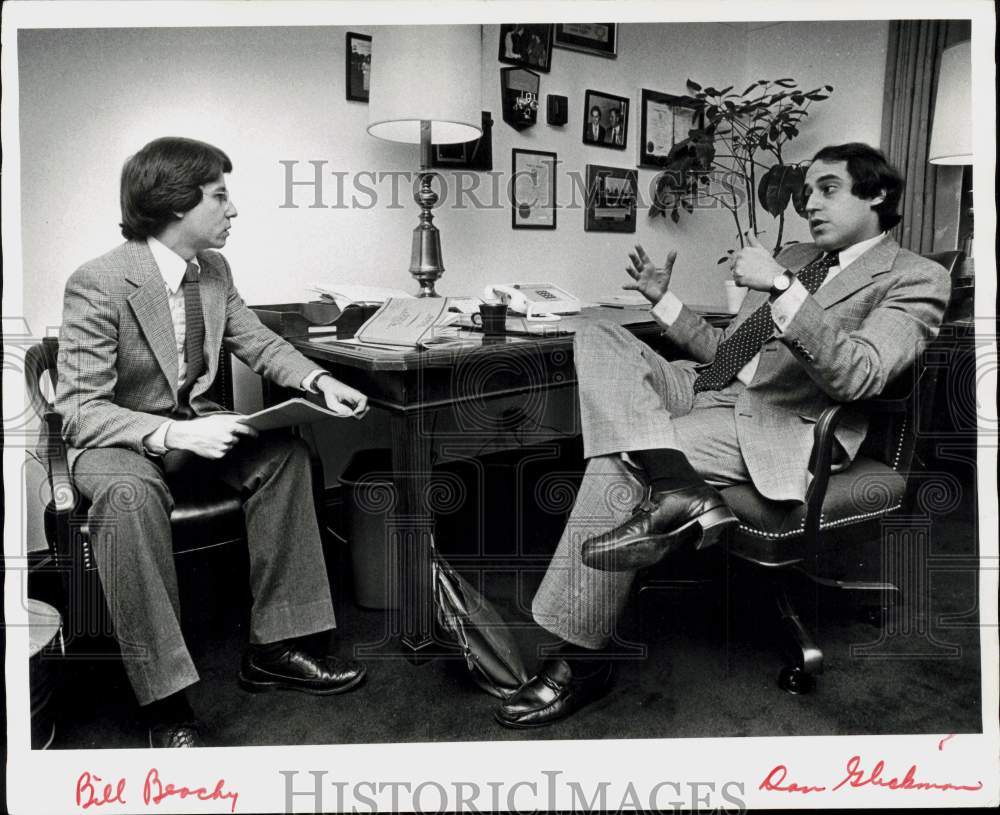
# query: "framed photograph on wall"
359, 66
605, 120
664, 120
470, 155
526, 45
533, 189
600, 39
611, 199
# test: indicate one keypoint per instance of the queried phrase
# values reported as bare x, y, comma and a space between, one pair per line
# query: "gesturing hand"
342, 399
208, 436
649, 281
754, 266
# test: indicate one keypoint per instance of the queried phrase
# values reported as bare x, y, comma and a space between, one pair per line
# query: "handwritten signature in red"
856, 777
94, 791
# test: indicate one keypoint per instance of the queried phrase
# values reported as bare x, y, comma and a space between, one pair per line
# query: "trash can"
369, 496
46, 647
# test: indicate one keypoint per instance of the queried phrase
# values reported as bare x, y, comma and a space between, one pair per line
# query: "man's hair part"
872, 175
165, 177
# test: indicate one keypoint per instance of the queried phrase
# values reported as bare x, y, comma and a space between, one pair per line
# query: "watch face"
781, 282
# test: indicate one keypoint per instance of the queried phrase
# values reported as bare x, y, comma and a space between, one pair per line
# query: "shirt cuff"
785, 307
156, 442
667, 310
309, 383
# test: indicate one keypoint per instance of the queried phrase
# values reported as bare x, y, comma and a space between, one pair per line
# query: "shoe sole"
602, 691
643, 552
262, 686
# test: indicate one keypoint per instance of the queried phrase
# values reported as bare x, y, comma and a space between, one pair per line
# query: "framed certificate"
533, 189
664, 120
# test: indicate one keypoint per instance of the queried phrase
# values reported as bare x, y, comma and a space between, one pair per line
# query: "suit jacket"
847, 342
118, 356
588, 132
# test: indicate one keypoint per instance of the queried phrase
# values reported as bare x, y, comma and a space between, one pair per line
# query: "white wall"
91, 97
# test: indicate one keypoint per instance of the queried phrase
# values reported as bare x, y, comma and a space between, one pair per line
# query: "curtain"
912, 66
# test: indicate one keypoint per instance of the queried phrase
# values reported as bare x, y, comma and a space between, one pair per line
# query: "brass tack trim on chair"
840, 522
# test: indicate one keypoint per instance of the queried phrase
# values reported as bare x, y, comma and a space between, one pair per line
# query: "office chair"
206, 515
789, 541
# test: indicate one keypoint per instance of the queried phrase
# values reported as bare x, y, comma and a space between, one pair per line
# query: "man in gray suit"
143, 328
831, 321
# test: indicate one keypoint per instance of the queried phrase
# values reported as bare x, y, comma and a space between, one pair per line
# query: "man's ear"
878, 199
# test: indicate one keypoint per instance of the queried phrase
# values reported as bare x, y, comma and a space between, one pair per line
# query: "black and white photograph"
600, 39
611, 199
706, 520
605, 121
527, 45
359, 66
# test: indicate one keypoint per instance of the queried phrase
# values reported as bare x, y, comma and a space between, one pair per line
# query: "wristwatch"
781, 283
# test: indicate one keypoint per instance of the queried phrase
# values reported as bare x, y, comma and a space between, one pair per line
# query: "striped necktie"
194, 339
746, 341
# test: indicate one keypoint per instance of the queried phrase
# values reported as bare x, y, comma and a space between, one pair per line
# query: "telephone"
536, 301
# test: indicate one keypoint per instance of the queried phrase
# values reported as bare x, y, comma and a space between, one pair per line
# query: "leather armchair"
207, 514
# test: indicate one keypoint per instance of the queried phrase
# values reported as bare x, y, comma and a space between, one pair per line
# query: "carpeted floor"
703, 663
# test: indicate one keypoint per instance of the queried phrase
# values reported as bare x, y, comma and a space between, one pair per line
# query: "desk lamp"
951, 133
426, 89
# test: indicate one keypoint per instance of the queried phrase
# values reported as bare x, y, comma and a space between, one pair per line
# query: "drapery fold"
912, 65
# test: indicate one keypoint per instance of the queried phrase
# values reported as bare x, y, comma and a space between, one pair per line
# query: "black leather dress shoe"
175, 734
664, 523
553, 694
294, 669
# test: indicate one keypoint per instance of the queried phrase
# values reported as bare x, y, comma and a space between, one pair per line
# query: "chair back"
41, 373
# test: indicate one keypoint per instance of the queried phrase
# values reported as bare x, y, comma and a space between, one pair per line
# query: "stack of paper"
343, 294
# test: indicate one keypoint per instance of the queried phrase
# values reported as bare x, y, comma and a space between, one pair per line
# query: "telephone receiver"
538, 302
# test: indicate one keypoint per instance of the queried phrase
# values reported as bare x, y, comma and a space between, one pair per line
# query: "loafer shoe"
294, 669
665, 522
553, 694
175, 734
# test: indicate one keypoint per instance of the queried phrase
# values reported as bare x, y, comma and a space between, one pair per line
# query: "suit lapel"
212, 286
859, 274
151, 308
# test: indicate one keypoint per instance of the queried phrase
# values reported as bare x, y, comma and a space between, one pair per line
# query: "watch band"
776, 292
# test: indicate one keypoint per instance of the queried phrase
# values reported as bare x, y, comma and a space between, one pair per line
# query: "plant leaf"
693, 85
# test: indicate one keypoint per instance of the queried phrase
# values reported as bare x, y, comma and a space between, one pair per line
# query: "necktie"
194, 338
746, 341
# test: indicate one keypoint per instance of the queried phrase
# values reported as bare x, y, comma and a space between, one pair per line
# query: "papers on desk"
343, 294
627, 299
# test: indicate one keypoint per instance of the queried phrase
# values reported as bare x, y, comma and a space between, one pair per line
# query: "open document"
290, 413
405, 322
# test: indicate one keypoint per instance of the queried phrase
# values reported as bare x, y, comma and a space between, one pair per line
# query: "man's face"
837, 218
206, 226
614, 118
595, 117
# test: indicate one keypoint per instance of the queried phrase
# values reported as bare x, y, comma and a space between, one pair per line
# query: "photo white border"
43, 782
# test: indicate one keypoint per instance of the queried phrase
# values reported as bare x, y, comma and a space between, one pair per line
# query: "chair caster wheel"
795, 681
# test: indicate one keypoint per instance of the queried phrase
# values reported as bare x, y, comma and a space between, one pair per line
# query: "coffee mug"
492, 318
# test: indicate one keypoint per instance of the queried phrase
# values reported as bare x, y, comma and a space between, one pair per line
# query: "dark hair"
873, 175
599, 111
163, 178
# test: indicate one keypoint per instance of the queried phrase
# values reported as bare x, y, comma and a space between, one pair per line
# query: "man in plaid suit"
831, 321
143, 327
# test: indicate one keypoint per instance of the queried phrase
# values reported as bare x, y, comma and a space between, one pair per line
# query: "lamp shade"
426, 73
951, 135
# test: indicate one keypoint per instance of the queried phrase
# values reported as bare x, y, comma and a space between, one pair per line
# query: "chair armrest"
53, 450
820, 464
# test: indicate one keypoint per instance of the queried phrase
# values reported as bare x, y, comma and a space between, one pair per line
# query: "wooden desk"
414, 387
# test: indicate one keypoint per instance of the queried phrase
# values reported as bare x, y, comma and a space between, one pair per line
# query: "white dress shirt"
783, 309
172, 269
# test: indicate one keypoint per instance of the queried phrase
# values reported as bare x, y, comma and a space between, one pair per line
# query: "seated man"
143, 326
831, 321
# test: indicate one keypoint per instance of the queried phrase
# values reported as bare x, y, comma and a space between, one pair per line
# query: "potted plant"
736, 158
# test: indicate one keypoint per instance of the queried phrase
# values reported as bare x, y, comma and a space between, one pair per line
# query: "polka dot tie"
746, 341
195, 331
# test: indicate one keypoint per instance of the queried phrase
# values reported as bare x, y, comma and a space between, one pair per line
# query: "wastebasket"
369, 496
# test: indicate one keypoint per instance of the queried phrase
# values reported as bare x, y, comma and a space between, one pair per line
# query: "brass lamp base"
426, 264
